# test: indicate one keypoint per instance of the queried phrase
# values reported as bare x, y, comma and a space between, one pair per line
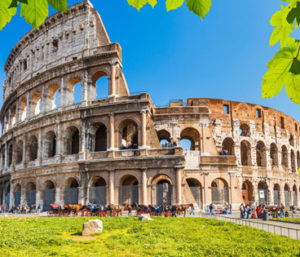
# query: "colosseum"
122, 148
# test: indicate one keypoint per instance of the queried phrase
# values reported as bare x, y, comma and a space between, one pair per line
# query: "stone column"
11, 197
28, 106
111, 187
112, 82
59, 144
24, 159
62, 93
9, 119
85, 87
58, 196
144, 129
111, 132
144, 186
40, 146
43, 100
178, 185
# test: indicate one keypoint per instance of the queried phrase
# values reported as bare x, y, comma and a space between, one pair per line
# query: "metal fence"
7, 199
71, 195
287, 198
219, 195
129, 194
97, 195
276, 197
197, 194
17, 197
49, 198
163, 193
31, 197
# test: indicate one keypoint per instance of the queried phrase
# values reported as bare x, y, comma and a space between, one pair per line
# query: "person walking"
242, 210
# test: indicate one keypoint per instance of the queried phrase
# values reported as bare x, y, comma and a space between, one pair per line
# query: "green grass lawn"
296, 220
130, 237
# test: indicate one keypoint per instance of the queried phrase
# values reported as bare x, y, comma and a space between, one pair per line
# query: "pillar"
178, 185
40, 145
58, 196
112, 85
111, 132
144, 186
28, 106
144, 129
111, 187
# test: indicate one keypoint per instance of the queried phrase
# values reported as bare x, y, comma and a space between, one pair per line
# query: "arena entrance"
286, 195
71, 192
49, 195
294, 195
17, 195
31, 194
219, 192
263, 193
97, 191
196, 190
7, 196
247, 192
129, 190
276, 194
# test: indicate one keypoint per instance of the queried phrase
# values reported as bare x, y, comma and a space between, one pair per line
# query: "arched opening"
244, 130
71, 191
97, 192
190, 139
219, 192
196, 191
7, 195
277, 200
10, 154
54, 95
228, 147
31, 194
23, 109
50, 145
129, 135
36, 103
245, 153
72, 140
298, 159
17, 195
261, 154
33, 148
13, 115
295, 196
293, 161
247, 192
129, 190
100, 138
291, 140
102, 87
274, 154
263, 193
74, 92
19, 152
284, 154
49, 195
287, 195
164, 138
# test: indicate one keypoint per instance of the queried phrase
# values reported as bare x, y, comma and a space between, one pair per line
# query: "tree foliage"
283, 68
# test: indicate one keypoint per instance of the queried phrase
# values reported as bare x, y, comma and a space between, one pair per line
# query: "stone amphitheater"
122, 148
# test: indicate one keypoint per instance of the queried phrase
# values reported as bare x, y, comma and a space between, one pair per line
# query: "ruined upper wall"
63, 37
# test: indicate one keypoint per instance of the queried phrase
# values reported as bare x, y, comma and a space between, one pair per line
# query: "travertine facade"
110, 150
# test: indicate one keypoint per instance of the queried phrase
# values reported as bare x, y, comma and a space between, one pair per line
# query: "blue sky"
175, 55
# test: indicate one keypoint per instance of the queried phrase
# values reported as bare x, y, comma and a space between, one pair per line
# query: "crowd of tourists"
21, 209
213, 209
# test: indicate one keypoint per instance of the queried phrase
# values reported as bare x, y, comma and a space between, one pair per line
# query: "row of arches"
261, 154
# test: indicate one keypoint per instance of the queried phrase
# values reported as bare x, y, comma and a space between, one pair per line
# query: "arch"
13, 115
284, 158
74, 92
228, 146
10, 154
19, 152
31, 193
102, 87
291, 140
244, 130
7, 195
72, 140
33, 148
36, 103
129, 190
274, 154
298, 160
48, 195
287, 195
128, 133
159, 177
293, 161
248, 192
261, 160
100, 138
71, 191
17, 195
219, 191
263, 193
97, 191
193, 136
50, 144
245, 153
53, 96
195, 191
295, 196
164, 137
277, 199
23, 109
162, 190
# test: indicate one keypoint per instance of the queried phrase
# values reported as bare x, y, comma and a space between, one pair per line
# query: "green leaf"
6, 13
15, 3
199, 7
173, 4
59, 5
293, 88
282, 28
294, 14
138, 4
35, 12
283, 69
